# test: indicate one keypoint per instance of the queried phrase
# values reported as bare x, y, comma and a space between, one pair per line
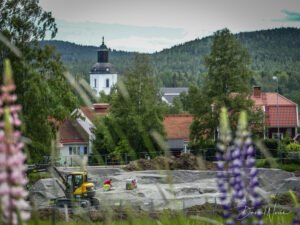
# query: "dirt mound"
140, 164
203, 210
186, 161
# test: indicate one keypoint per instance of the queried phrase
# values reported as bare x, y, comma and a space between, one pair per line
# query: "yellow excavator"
78, 191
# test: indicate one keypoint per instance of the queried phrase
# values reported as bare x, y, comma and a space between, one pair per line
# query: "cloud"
143, 44
85, 22
91, 32
121, 37
290, 16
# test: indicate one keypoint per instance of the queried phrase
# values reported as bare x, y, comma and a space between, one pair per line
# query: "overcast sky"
152, 25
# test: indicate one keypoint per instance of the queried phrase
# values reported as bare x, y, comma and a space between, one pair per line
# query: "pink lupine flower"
12, 176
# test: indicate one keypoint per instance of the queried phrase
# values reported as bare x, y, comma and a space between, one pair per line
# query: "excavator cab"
77, 185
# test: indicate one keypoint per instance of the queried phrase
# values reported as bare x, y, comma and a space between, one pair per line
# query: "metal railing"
281, 157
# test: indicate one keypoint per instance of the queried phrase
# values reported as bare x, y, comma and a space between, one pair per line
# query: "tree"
136, 111
227, 85
41, 87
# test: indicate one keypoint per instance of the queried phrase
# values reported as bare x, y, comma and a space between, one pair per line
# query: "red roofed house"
76, 134
288, 113
177, 127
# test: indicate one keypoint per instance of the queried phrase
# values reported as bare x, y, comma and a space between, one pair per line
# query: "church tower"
102, 75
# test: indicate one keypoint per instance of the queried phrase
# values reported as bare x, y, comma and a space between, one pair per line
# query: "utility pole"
278, 133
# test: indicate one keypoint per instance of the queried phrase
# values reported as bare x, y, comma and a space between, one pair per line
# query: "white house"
76, 134
102, 75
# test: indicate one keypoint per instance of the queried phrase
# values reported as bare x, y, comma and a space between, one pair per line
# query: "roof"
78, 173
287, 109
173, 90
103, 68
99, 108
103, 46
287, 116
88, 112
72, 132
177, 126
270, 99
169, 93
175, 144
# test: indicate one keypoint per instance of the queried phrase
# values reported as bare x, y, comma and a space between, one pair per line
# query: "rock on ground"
44, 190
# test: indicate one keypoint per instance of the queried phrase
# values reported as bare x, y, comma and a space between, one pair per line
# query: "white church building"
76, 134
102, 75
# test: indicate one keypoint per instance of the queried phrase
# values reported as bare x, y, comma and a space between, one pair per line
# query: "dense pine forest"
273, 52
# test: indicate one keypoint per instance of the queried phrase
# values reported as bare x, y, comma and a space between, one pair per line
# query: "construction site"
153, 190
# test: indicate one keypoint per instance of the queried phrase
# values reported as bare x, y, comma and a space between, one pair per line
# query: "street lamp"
278, 134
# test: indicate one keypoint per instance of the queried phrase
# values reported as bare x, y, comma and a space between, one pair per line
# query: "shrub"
206, 150
271, 145
293, 147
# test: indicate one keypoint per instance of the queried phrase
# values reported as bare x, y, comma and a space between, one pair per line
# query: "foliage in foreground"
38, 72
269, 219
135, 114
227, 84
13, 207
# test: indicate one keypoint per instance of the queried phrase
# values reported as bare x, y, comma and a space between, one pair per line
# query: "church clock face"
107, 69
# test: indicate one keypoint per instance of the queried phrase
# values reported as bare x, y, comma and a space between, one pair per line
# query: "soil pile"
185, 161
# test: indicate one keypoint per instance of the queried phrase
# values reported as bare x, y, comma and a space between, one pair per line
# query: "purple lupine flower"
296, 220
237, 176
12, 176
223, 161
248, 179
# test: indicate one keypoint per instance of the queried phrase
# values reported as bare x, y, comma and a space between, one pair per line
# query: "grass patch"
291, 167
145, 221
279, 219
34, 177
269, 219
262, 163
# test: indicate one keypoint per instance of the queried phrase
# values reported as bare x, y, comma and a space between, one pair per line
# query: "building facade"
102, 75
76, 135
286, 118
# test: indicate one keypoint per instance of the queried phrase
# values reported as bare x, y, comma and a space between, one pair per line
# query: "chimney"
257, 92
101, 107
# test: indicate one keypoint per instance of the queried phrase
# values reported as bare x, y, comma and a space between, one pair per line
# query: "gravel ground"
174, 189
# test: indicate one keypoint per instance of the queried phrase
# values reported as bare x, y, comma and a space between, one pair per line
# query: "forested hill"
270, 50
80, 58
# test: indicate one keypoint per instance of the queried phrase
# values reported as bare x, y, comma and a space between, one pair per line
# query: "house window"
74, 150
85, 150
107, 83
70, 150
289, 132
78, 150
95, 83
275, 135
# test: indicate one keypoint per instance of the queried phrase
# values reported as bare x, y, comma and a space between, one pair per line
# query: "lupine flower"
296, 219
12, 176
237, 176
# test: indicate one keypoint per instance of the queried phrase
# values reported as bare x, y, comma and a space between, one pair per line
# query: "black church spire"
103, 53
